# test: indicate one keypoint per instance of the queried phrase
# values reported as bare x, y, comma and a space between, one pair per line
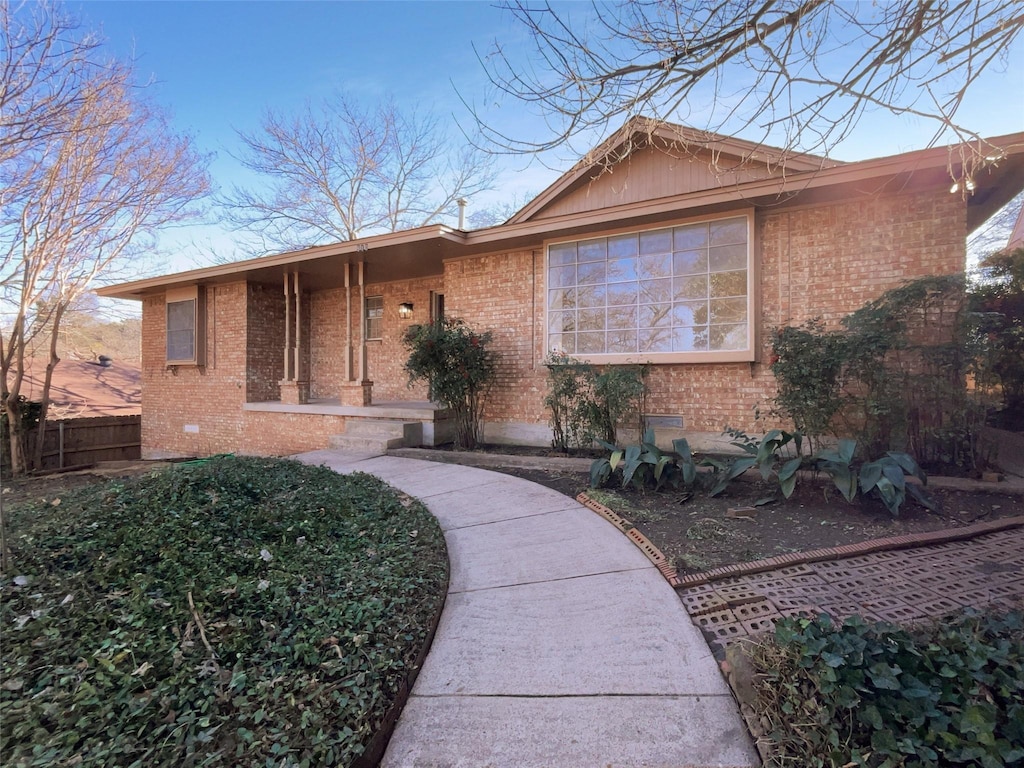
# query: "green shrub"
589, 404
807, 362
894, 376
879, 695
997, 300
619, 394
459, 369
568, 399
909, 353
241, 612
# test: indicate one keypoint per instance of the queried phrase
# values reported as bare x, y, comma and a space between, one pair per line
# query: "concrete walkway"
560, 644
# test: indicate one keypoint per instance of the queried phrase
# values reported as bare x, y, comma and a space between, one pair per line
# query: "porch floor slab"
411, 411
559, 643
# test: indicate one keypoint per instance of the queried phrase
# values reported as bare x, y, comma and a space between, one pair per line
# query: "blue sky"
217, 65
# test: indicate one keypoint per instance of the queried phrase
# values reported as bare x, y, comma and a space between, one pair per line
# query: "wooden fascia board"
739, 193
884, 169
349, 248
670, 133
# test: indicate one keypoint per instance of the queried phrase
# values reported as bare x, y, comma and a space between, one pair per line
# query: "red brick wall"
505, 294
281, 434
265, 333
825, 260
327, 345
830, 260
209, 397
387, 357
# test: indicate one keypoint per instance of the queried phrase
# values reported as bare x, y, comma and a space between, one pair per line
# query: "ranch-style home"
684, 252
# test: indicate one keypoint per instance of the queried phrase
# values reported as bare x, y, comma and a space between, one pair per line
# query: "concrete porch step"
378, 434
357, 444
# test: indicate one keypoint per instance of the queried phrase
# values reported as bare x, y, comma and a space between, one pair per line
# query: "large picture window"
680, 292
185, 312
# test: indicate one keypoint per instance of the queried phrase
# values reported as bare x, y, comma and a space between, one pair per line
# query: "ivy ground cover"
235, 612
884, 696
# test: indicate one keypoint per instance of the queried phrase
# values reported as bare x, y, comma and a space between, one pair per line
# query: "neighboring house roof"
589, 198
80, 388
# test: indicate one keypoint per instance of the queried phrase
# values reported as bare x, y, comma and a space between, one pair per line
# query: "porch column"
295, 384
349, 378
356, 391
362, 323
288, 375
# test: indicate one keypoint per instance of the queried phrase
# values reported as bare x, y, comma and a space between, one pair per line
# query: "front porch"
405, 423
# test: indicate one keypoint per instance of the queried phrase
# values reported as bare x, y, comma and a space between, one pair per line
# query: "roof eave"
933, 159
350, 251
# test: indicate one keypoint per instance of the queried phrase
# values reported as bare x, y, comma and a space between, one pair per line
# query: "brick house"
684, 252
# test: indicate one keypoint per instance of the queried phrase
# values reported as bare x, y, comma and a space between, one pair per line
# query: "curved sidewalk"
560, 644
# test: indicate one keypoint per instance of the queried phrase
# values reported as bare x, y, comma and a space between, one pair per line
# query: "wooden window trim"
367, 318
197, 296
749, 354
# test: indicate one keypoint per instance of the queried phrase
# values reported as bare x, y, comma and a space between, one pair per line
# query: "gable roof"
642, 134
806, 179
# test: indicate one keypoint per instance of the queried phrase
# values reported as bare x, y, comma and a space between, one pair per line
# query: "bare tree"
341, 171
499, 213
96, 172
87, 331
796, 73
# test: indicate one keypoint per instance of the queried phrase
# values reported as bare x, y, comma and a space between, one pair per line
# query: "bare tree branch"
341, 171
95, 172
793, 73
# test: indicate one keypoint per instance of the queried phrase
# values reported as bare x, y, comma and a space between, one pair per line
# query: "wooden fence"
74, 442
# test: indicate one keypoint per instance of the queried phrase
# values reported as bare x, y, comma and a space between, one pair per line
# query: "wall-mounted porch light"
405, 310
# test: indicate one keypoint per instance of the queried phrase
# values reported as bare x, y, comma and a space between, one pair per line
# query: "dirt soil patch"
697, 533
51, 487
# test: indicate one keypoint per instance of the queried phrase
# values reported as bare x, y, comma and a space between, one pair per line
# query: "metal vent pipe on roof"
461, 202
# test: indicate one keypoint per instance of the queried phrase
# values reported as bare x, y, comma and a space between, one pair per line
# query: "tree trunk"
5, 556
12, 407
44, 396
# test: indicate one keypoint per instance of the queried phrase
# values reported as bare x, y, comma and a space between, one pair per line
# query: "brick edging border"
645, 545
871, 546
851, 550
